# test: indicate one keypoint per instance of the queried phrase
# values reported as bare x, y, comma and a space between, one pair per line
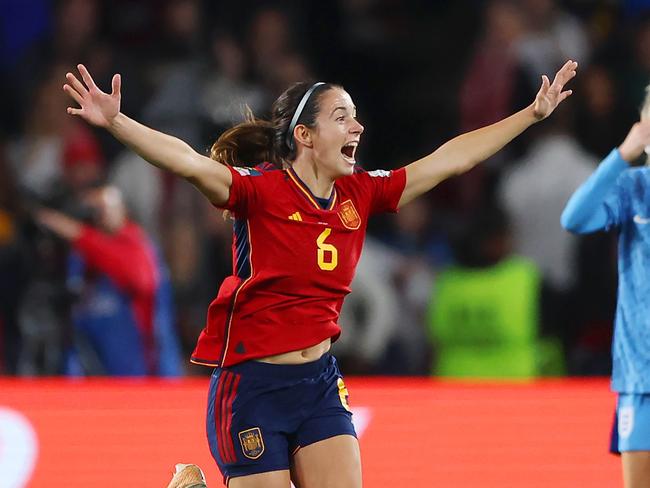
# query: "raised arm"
586, 212
161, 150
464, 152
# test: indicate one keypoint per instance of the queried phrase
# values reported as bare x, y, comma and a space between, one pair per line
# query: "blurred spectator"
122, 315
269, 40
174, 73
226, 90
554, 36
601, 116
420, 239
435, 68
36, 157
199, 276
489, 90
76, 27
288, 69
485, 312
82, 159
13, 268
421, 234
178, 41
534, 192
141, 185
637, 69
494, 87
370, 315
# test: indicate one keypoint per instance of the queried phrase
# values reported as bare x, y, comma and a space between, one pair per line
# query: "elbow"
569, 222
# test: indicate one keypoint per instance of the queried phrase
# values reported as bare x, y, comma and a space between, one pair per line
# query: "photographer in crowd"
122, 312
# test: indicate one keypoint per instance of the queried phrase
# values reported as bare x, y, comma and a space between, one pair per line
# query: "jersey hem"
204, 362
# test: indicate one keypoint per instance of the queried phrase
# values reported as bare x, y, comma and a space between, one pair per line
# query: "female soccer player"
618, 197
277, 406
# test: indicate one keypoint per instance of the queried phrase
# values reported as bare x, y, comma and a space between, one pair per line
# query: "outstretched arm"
164, 151
586, 212
467, 150
113, 257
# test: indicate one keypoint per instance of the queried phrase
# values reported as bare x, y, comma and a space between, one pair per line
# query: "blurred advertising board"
414, 432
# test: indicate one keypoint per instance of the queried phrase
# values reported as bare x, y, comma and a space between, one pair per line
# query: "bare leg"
272, 479
331, 463
636, 469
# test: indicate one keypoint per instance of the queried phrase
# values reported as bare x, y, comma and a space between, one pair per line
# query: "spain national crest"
252, 444
349, 216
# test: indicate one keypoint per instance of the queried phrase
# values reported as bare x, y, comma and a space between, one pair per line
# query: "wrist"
532, 116
116, 123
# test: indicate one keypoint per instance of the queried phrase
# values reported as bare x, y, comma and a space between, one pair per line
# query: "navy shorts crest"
260, 414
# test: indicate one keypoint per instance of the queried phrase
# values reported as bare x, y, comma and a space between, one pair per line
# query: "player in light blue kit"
617, 197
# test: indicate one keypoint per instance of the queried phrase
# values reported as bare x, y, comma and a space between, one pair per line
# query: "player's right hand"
96, 107
636, 141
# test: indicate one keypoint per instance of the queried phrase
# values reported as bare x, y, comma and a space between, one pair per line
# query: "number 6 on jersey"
323, 247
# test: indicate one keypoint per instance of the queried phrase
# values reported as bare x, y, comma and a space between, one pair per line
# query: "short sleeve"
384, 188
244, 190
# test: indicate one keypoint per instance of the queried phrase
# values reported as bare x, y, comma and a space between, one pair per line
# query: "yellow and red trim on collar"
307, 192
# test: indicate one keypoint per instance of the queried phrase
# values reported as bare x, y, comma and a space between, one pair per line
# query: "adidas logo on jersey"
295, 216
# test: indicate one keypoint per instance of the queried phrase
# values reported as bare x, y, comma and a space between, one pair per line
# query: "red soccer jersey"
293, 262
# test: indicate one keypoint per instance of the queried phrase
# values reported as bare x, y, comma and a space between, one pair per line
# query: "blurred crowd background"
475, 279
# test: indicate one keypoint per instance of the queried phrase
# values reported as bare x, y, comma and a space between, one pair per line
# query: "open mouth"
349, 150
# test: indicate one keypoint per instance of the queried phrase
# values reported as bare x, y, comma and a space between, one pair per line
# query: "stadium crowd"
476, 279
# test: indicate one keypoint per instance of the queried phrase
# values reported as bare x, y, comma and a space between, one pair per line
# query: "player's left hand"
550, 95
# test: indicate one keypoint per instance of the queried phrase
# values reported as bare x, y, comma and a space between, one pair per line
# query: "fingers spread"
73, 93
564, 95
88, 80
75, 83
565, 73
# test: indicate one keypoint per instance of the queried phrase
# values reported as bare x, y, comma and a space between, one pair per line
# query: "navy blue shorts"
260, 414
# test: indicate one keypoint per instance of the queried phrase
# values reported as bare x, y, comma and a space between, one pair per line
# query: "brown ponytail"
246, 144
256, 141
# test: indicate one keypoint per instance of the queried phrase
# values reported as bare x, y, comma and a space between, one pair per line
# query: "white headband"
298, 112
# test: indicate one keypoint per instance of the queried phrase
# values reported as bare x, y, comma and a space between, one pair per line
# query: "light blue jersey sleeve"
599, 203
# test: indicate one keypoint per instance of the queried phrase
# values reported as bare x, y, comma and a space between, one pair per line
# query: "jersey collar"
304, 189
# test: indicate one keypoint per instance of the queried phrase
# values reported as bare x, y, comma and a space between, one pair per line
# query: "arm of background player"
585, 212
161, 150
117, 260
467, 150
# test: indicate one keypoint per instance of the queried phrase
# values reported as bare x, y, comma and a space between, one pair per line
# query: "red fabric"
486, 94
288, 302
81, 148
128, 259
228, 424
217, 416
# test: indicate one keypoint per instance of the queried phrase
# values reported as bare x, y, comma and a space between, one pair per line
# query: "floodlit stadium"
357, 243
